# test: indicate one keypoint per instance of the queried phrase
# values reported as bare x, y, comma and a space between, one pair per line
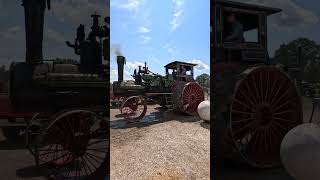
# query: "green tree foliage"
308, 60
204, 80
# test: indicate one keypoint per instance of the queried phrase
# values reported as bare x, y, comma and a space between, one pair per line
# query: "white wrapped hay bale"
300, 152
204, 110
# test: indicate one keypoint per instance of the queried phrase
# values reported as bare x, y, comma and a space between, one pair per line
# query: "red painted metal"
76, 142
265, 106
192, 96
133, 108
187, 97
7, 111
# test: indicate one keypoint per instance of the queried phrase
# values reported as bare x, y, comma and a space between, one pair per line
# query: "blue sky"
159, 32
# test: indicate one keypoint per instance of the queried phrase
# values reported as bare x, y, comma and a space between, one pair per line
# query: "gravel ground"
16, 162
163, 146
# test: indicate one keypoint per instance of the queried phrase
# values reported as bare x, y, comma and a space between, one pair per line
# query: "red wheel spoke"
275, 108
247, 98
261, 88
242, 112
243, 104
282, 112
89, 160
267, 88
256, 89
284, 120
265, 106
276, 94
251, 98
243, 120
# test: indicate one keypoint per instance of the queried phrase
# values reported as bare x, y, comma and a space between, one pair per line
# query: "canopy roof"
174, 64
248, 20
245, 6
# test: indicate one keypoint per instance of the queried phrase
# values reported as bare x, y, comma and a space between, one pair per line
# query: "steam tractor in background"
177, 90
254, 103
68, 129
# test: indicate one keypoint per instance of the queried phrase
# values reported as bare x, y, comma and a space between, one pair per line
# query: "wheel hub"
192, 97
79, 145
263, 115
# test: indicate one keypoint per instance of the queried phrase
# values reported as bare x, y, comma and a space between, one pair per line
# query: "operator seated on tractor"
234, 30
174, 73
183, 71
234, 33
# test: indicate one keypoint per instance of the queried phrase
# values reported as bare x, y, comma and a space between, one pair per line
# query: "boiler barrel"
52, 94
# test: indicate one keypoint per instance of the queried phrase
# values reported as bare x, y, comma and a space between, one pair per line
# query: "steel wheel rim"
262, 115
79, 152
192, 96
133, 108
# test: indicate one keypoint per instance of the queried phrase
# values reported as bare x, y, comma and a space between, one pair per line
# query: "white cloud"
178, 11
113, 74
140, 14
143, 30
171, 49
145, 39
131, 5
131, 65
139, 8
201, 66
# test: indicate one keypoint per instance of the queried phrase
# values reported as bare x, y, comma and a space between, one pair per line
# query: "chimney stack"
121, 61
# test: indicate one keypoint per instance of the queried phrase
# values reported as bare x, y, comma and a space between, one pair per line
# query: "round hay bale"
204, 110
300, 152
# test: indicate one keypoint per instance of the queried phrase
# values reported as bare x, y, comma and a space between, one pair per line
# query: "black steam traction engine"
177, 90
254, 103
69, 129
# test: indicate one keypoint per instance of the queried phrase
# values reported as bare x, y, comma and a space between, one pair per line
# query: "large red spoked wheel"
187, 97
76, 143
265, 106
133, 108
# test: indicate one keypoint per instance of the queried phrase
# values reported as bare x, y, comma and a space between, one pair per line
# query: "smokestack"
121, 61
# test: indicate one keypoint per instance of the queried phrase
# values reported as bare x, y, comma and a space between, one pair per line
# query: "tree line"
303, 55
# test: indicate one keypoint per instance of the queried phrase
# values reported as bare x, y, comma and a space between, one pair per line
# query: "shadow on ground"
33, 172
160, 116
240, 171
13, 144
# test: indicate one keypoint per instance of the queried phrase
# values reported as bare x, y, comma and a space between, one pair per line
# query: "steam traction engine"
69, 129
254, 103
177, 90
